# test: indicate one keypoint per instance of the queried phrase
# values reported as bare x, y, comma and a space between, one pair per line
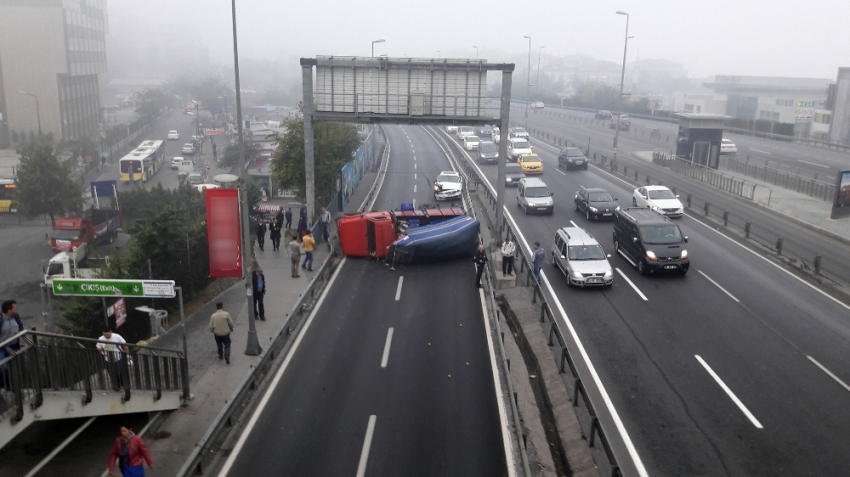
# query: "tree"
44, 183
150, 102
83, 147
230, 156
333, 145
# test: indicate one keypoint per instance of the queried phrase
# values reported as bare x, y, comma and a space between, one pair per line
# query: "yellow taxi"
530, 164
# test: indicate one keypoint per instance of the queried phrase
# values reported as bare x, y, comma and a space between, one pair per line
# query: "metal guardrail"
706, 175
51, 362
583, 405
804, 185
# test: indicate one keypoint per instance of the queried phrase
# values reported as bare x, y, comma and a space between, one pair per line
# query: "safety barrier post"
779, 242
706, 208
747, 230
817, 264
725, 218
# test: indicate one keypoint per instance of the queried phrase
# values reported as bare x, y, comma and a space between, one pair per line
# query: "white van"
533, 196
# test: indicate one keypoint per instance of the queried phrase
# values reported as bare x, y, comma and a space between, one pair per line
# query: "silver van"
534, 197
580, 258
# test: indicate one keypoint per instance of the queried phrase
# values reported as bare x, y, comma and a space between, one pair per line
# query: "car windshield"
660, 234
465, 129
513, 169
473, 139
662, 194
65, 234
55, 269
586, 252
519, 130
536, 192
452, 178
601, 197
520, 145
574, 153
487, 147
530, 158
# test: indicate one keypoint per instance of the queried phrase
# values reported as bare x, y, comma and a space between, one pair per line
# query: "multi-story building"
51, 53
839, 102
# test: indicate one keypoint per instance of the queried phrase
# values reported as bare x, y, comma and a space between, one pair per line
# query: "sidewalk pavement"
784, 202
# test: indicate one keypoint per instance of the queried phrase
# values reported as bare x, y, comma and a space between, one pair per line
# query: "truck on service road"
77, 234
66, 265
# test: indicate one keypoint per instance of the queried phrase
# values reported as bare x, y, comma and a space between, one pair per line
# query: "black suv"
649, 241
595, 203
572, 158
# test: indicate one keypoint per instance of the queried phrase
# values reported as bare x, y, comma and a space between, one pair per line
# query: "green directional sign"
116, 288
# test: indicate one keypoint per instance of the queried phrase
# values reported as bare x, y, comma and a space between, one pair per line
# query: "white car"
448, 185
470, 143
451, 129
201, 187
518, 133
496, 135
188, 148
537, 105
518, 147
728, 147
658, 198
464, 131
195, 178
175, 162
173, 135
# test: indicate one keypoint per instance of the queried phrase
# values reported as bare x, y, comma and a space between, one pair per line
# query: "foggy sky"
741, 37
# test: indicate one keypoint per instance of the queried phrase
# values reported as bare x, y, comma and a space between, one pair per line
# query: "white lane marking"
778, 267
561, 172
503, 416
823, 368
632, 284
730, 393
59, 448
763, 152
574, 224
414, 188
615, 416
718, 286
398, 289
414, 150
414, 203
367, 444
273, 386
414, 166
813, 163
415, 176
414, 158
386, 355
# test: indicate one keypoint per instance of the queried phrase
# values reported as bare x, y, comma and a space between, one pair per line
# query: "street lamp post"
528, 83
622, 81
37, 110
373, 45
476, 51
253, 346
537, 81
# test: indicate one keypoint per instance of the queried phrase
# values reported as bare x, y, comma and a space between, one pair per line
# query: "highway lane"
429, 384
797, 240
681, 420
790, 157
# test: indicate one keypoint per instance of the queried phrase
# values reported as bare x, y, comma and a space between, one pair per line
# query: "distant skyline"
729, 38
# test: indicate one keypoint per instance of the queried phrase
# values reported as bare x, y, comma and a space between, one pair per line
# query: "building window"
769, 115
785, 102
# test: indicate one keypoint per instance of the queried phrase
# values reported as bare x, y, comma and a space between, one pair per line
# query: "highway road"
738, 368
798, 241
393, 375
795, 158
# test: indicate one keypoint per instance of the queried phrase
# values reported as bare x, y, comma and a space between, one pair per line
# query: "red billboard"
223, 232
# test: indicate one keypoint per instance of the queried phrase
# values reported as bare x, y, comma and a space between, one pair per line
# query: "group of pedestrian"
508, 250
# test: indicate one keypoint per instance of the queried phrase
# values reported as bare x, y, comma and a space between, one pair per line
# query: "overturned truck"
448, 240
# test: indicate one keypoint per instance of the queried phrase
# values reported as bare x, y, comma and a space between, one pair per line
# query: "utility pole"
537, 81
528, 84
622, 80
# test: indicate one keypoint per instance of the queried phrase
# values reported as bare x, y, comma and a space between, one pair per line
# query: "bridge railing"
35, 362
787, 180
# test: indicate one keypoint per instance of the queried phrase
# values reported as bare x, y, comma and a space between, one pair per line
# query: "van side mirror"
551, 194
686, 239
616, 198
677, 196
609, 255
635, 239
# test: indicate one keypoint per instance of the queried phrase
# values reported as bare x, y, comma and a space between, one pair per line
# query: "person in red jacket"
130, 452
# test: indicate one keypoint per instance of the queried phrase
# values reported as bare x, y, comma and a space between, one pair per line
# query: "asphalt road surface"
422, 395
664, 344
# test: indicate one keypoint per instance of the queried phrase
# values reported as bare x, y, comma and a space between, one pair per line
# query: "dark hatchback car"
486, 130
572, 158
604, 114
595, 203
513, 173
488, 153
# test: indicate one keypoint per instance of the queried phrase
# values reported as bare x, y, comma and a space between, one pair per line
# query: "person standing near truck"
480, 259
538, 257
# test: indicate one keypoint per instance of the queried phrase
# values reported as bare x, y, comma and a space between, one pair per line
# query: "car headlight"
684, 255
609, 274
436, 187
508, 179
575, 274
680, 210
618, 208
654, 207
651, 256
594, 209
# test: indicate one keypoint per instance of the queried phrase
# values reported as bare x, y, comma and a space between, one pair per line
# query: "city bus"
7, 190
143, 161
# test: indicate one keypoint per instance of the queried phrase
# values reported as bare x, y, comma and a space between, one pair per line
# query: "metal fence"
704, 174
38, 362
804, 185
575, 382
17, 218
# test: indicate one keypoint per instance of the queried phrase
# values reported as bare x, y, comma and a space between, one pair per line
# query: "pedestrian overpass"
54, 376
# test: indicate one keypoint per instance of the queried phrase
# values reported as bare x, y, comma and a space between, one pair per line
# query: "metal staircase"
50, 376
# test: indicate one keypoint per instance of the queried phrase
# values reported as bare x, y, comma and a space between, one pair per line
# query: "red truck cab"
73, 233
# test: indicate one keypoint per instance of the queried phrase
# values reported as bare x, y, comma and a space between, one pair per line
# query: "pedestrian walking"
480, 259
325, 221
275, 234
279, 217
114, 349
289, 218
221, 325
302, 226
308, 243
130, 452
258, 281
10, 326
294, 251
538, 257
508, 251
261, 233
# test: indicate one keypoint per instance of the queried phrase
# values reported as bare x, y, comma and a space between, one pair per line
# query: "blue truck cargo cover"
452, 239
